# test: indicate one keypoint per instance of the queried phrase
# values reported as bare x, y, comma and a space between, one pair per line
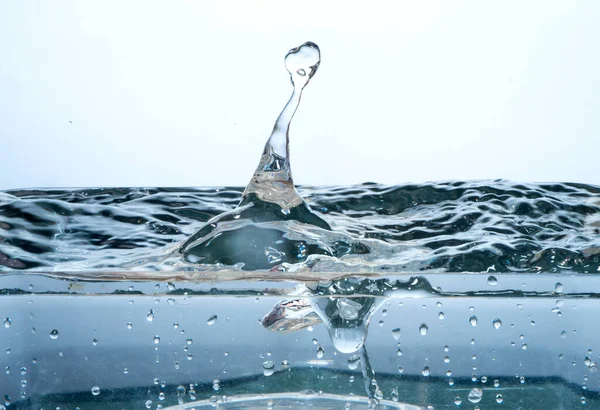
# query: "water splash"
272, 225
272, 181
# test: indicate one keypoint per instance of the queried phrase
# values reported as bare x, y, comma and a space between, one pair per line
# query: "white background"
185, 93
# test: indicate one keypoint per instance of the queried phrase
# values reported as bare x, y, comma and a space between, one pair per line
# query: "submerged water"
318, 297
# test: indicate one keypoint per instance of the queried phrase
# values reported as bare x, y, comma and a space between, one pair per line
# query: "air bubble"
268, 368
475, 395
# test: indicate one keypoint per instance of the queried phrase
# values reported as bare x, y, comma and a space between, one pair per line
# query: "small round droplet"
7, 322
426, 371
499, 398
423, 329
492, 281
156, 340
54, 334
148, 404
441, 315
396, 333
95, 390
475, 395
150, 316
268, 367
593, 367
558, 288
473, 321
457, 400
563, 334
353, 362
320, 352
211, 320
497, 323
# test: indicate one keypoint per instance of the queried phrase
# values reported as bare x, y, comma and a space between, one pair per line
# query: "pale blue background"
184, 93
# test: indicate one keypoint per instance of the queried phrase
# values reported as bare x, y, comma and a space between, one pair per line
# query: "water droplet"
492, 281
396, 333
150, 316
473, 321
175, 325
441, 315
95, 390
95, 342
558, 288
593, 367
268, 367
320, 352
499, 398
216, 384
54, 334
7, 323
426, 371
457, 399
524, 346
156, 340
423, 329
497, 323
446, 349
475, 395
563, 334
211, 320
496, 383
446, 359
353, 362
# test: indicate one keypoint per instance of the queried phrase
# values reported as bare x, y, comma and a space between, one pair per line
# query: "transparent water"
469, 294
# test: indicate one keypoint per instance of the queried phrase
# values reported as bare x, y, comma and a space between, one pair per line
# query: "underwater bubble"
54, 334
95, 390
475, 395
348, 309
353, 362
497, 323
423, 329
268, 367
211, 320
